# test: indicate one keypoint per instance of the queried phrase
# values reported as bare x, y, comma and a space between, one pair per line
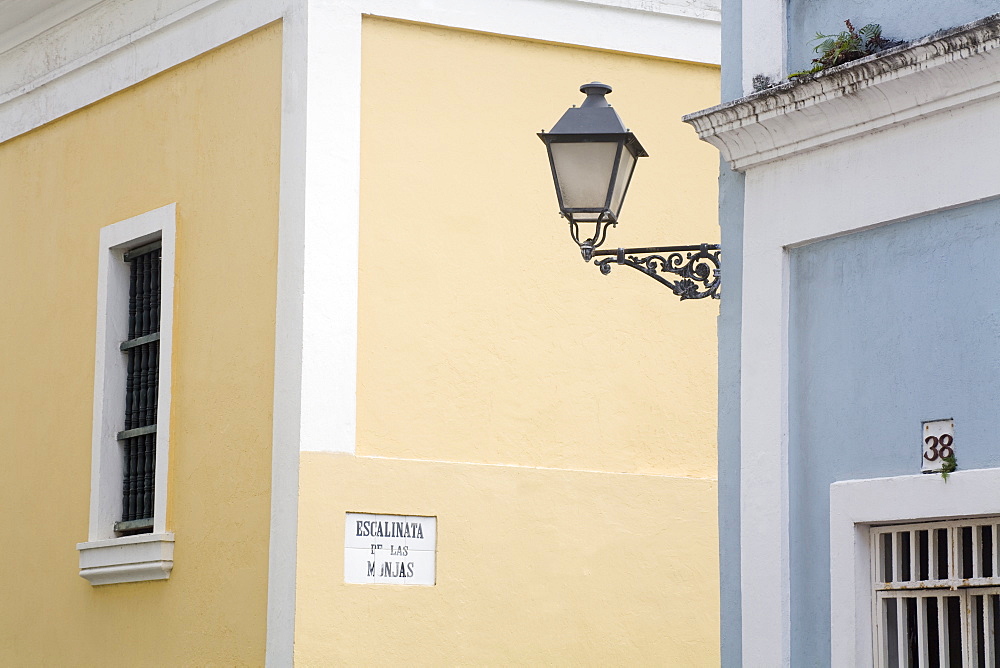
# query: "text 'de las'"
389, 549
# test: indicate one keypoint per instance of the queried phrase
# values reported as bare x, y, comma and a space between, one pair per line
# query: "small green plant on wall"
948, 467
851, 44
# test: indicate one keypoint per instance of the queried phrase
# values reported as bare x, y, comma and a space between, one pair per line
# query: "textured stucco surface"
534, 568
482, 334
884, 333
900, 19
206, 136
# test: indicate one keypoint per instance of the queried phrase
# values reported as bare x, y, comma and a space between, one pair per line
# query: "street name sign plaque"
390, 549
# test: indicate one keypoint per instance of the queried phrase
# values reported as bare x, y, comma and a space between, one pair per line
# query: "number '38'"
940, 448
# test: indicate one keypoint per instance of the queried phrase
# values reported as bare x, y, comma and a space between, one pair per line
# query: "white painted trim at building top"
798, 197
855, 505
113, 26
31, 18
708, 10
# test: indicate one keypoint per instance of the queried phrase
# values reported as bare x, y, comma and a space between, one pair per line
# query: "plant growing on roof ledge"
950, 466
851, 44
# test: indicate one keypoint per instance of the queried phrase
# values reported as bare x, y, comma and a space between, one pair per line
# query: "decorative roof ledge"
942, 71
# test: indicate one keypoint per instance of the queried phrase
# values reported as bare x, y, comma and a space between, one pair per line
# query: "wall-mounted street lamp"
593, 155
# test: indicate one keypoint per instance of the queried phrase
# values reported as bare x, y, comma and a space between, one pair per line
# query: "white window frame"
856, 505
107, 558
897, 560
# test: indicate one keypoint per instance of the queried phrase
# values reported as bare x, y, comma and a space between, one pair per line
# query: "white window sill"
127, 559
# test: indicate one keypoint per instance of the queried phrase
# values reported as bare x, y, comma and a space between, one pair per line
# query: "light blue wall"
900, 19
731, 188
887, 327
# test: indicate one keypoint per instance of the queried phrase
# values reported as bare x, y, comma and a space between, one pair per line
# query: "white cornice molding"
705, 10
950, 68
20, 20
643, 27
97, 30
686, 30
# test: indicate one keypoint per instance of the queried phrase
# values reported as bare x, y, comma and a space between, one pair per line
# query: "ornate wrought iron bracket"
698, 267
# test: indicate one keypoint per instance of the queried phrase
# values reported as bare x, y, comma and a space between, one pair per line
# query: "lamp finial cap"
595, 88
595, 92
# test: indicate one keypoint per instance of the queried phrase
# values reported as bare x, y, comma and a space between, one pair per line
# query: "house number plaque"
938, 444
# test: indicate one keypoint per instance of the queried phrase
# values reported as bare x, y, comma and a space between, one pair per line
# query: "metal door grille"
937, 594
142, 347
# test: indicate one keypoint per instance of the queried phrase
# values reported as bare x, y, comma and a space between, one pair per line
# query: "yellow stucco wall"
205, 135
534, 567
483, 334
559, 424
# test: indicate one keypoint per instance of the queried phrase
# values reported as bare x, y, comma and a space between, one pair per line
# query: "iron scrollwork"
698, 267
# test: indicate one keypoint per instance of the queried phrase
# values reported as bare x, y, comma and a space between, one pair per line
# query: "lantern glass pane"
626, 163
583, 171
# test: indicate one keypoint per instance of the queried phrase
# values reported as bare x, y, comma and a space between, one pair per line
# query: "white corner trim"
764, 537
287, 410
931, 75
109, 385
332, 183
855, 505
764, 41
127, 559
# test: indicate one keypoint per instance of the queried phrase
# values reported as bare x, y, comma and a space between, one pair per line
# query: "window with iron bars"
937, 594
138, 438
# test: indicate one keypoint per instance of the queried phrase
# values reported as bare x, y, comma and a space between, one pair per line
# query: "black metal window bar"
138, 439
